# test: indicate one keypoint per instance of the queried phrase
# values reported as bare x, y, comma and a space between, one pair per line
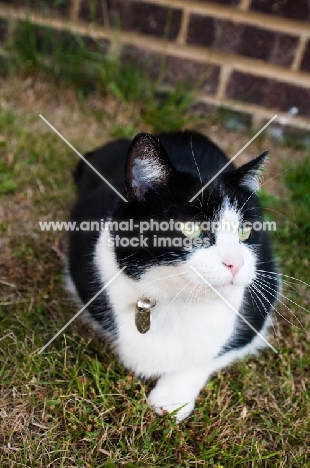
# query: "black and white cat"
194, 330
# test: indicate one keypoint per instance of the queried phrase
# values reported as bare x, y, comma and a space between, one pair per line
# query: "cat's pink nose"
234, 264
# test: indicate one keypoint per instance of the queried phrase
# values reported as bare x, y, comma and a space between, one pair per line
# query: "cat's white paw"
163, 401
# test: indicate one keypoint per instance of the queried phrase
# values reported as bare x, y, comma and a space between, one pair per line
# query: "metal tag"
143, 315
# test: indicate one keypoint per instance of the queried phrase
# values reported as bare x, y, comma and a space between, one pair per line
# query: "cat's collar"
143, 313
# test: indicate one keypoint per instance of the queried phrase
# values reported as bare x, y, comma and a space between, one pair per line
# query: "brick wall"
251, 56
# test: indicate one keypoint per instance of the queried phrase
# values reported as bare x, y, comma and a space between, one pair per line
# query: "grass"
75, 405
85, 63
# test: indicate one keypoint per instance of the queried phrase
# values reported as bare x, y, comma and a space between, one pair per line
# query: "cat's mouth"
227, 284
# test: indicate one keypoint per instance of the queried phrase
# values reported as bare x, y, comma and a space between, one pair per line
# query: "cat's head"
211, 233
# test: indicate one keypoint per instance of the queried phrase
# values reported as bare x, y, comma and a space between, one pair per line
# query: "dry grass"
75, 405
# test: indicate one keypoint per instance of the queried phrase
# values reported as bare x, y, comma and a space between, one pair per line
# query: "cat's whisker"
256, 216
265, 308
128, 256
196, 216
284, 283
195, 161
253, 193
191, 293
253, 208
264, 262
199, 209
269, 209
266, 284
282, 274
263, 295
281, 214
197, 289
165, 277
263, 305
198, 293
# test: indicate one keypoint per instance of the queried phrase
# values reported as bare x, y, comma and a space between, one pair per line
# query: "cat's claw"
163, 402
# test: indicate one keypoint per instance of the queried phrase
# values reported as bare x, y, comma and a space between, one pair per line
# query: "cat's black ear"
147, 167
249, 175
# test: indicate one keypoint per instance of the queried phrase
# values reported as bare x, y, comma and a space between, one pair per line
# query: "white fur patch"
151, 170
252, 180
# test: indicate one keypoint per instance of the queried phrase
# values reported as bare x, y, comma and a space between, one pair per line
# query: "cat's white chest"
183, 333
180, 336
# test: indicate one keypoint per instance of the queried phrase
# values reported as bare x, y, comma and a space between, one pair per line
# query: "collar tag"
143, 314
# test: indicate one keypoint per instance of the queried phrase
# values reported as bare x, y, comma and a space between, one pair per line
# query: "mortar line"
299, 53
181, 39
245, 5
75, 9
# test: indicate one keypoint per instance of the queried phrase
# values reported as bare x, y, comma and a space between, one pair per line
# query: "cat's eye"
244, 233
191, 229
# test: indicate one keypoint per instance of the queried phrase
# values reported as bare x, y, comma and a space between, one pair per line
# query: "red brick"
305, 63
192, 73
146, 18
268, 92
247, 87
175, 70
273, 47
91, 10
142, 58
294, 9
241, 39
201, 30
131, 15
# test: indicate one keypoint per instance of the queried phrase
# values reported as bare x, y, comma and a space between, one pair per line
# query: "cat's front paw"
163, 401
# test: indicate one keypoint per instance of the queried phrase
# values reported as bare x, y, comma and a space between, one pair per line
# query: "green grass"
292, 217
74, 405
